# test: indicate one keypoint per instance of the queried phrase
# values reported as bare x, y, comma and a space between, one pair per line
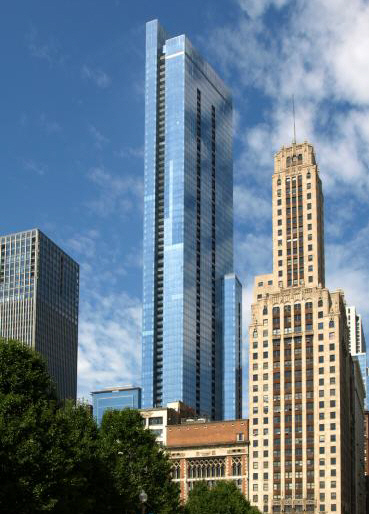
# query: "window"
240, 436
158, 432
156, 421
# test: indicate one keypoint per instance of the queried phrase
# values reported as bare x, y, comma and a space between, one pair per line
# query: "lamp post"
143, 499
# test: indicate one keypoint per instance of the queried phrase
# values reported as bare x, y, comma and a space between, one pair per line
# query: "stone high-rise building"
39, 293
191, 297
301, 413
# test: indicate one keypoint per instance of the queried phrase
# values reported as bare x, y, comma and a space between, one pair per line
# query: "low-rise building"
210, 451
116, 398
158, 418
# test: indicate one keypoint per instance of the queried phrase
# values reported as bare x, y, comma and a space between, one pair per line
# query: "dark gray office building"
39, 289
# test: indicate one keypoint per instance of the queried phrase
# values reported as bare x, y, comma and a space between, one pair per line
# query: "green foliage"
223, 498
136, 462
53, 458
23, 373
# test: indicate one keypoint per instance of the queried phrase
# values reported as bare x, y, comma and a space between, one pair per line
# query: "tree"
223, 498
136, 462
48, 452
54, 458
23, 373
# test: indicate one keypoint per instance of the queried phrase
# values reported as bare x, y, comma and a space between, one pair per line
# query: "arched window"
236, 466
279, 182
265, 310
288, 161
300, 157
308, 174
176, 470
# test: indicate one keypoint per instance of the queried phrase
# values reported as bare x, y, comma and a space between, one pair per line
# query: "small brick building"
209, 451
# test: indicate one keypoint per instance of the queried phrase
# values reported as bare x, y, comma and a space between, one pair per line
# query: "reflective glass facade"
232, 358
118, 398
188, 225
361, 357
39, 290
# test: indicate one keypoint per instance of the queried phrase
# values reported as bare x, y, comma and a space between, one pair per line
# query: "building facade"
209, 451
300, 366
358, 345
358, 439
366, 457
188, 228
39, 294
232, 343
356, 332
116, 398
159, 418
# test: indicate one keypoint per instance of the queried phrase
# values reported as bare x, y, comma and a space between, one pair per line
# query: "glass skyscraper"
188, 230
39, 290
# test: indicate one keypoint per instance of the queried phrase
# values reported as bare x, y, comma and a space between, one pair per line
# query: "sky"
72, 132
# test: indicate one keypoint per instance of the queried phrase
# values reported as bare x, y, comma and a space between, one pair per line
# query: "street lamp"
143, 499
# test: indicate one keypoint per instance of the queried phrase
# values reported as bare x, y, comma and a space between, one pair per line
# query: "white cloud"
84, 244
36, 167
100, 139
49, 126
324, 63
117, 193
348, 269
249, 206
255, 8
96, 75
48, 51
131, 151
109, 342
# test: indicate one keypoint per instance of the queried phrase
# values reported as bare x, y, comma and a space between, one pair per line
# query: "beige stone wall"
299, 387
299, 377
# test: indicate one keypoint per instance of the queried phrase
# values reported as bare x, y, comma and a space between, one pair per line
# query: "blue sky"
72, 124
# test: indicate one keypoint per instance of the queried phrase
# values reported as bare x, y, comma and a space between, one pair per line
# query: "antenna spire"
294, 124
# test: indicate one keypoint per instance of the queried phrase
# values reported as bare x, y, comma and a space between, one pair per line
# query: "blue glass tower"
232, 342
188, 226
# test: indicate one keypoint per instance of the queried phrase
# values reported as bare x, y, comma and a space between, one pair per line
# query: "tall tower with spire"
304, 397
